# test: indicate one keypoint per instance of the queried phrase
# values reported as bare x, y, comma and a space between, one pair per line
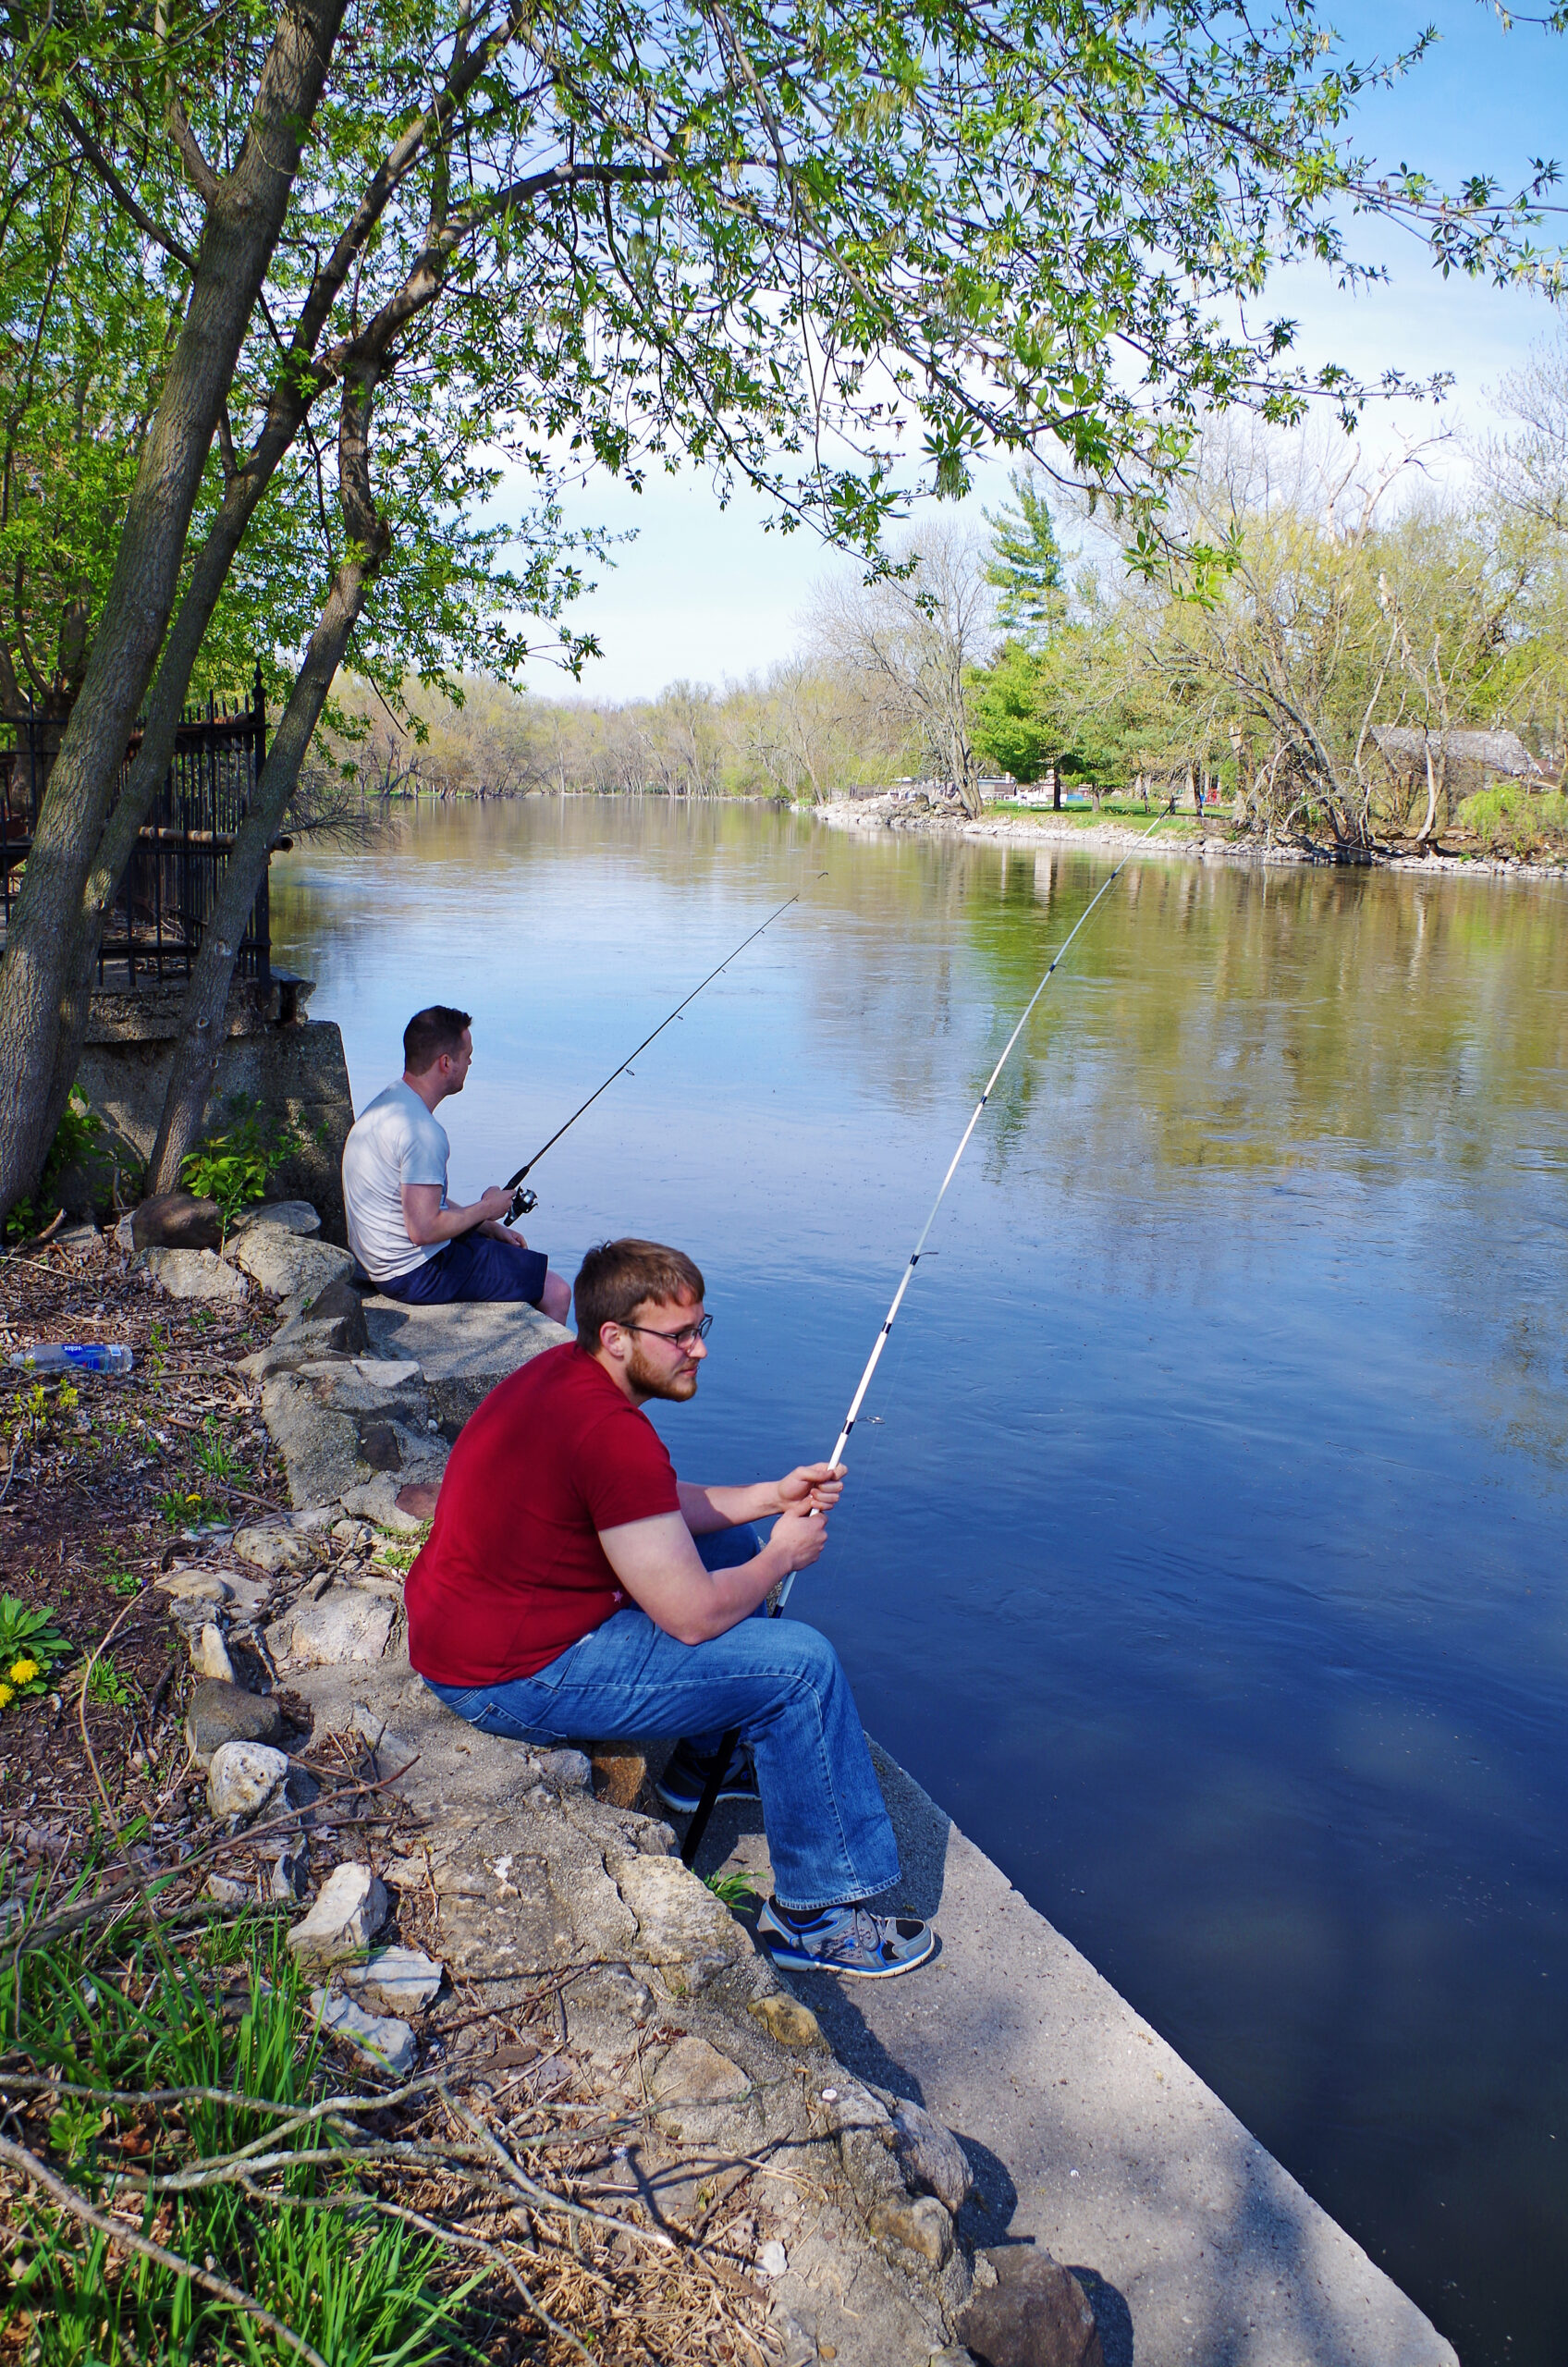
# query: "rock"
923, 2226
619, 1772
306, 1344
1035, 2315
192, 1585
796, 2347
415, 1503
243, 1777
951, 2357
772, 2261
320, 1446
378, 2040
221, 1712
287, 1264
276, 1549
466, 1349
343, 1625
695, 2073
785, 2018
570, 1770
195, 1273
294, 1216
344, 1920
175, 1220
341, 1302
291, 1870
679, 1918
225, 1892
209, 1655
930, 2156
396, 1981
381, 1500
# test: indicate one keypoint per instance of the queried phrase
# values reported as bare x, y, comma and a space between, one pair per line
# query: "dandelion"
24, 1671
7, 1695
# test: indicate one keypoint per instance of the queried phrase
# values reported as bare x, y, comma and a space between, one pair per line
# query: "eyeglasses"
686, 1335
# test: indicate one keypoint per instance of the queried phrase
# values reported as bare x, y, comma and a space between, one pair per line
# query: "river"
1202, 1551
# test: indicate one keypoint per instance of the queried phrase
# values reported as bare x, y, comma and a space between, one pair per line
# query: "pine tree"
1026, 565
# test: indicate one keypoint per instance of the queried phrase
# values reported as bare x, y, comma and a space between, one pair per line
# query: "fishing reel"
523, 1203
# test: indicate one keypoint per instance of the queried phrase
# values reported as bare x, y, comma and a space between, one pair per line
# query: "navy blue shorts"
474, 1266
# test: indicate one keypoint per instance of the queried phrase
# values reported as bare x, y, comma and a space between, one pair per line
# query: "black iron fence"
154, 928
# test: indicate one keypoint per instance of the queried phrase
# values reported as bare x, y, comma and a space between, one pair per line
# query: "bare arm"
656, 1562
427, 1220
815, 1487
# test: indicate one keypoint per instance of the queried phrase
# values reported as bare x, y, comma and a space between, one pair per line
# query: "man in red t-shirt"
572, 1585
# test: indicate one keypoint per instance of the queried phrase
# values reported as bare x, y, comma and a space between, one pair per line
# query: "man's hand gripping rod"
709, 1800
523, 1201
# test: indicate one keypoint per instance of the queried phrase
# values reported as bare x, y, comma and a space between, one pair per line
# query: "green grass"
734, 1890
361, 2290
1124, 810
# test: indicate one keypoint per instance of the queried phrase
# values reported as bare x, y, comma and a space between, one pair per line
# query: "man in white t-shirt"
411, 1241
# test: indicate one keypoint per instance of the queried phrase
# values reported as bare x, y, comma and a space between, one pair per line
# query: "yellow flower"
24, 1672
7, 1694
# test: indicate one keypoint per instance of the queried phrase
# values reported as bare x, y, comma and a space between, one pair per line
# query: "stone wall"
292, 1065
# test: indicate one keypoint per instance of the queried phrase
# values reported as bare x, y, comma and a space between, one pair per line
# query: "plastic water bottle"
75, 1357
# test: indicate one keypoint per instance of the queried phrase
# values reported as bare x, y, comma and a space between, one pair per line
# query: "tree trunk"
200, 1043
43, 991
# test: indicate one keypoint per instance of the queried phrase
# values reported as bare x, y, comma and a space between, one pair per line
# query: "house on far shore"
1465, 759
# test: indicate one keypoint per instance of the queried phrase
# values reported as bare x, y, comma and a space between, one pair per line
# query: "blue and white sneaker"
848, 1940
685, 1780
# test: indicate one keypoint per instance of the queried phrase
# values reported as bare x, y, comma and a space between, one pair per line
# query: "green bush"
76, 1143
233, 1167
1512, 819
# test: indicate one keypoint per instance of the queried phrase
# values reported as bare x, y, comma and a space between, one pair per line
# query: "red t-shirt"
513, 1571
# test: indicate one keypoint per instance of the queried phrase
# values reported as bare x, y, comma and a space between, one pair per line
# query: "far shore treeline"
1375, 659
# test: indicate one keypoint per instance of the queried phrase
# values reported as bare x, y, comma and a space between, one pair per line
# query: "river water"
1204, 1557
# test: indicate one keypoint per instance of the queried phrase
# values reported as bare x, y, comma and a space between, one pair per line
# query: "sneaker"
847, 1938
685, 1779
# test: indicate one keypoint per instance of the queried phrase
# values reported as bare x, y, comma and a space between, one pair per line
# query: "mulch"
99, 1495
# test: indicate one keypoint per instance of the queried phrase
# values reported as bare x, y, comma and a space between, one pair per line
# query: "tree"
1024, 568
767, 237
912, 636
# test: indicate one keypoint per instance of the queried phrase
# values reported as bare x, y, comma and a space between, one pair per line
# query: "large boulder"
195, 1273
177, 1221
678, 1920
1035, 2315
242, 1779
220, 1713
287, 1264
294, 1216
345, 1625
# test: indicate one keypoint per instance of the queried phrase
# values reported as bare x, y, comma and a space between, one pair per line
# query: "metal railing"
152, 930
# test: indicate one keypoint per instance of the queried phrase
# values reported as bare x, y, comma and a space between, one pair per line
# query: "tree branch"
94, 155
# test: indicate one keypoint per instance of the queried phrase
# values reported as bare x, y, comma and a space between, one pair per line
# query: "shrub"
233, 1167
1512, 819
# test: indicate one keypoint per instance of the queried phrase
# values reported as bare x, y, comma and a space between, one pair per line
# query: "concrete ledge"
464, 1349
1091, 2137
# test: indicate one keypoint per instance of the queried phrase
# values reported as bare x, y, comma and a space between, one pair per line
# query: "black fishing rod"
715, 1785
523, 1201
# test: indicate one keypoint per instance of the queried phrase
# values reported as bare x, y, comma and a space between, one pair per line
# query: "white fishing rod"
709, 1800
908, 1275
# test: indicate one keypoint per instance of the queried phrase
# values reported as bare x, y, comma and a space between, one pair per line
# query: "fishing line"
698, 1825
523, 1201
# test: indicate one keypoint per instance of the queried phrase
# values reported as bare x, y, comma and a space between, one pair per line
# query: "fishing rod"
709, 1800
523, 1201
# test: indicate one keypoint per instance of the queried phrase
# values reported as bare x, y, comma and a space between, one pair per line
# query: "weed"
233, 1167
157, 1350
107, 1687
734, 1890
214, 1455
31, 1648
1514, 819
399, 1553
76, 1143
186, 1508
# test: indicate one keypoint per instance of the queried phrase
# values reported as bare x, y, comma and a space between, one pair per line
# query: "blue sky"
708, 594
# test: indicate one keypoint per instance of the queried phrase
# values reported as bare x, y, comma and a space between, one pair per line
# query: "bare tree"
911, 638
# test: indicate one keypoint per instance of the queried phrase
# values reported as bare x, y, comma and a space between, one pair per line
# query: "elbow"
695, 1631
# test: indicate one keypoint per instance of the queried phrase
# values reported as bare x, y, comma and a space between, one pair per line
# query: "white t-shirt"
393, 1142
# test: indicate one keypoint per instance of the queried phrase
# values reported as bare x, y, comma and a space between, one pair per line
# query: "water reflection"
1206, 1560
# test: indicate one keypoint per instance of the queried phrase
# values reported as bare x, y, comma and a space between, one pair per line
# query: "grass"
734, 1890
353, 2288
1125, 810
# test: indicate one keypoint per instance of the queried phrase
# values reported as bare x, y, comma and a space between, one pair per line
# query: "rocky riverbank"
917, 816
456, 1909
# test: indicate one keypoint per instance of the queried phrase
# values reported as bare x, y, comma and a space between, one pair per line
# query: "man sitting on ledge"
411, 1241
572, 1585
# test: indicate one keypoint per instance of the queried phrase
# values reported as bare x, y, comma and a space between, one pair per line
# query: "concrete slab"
464, 1349
1089, 2136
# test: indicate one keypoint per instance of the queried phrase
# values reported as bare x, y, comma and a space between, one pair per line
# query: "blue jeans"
474, 1266
777, 1680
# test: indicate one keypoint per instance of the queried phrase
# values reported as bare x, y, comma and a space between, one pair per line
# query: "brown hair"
431, 1033
617, 1276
